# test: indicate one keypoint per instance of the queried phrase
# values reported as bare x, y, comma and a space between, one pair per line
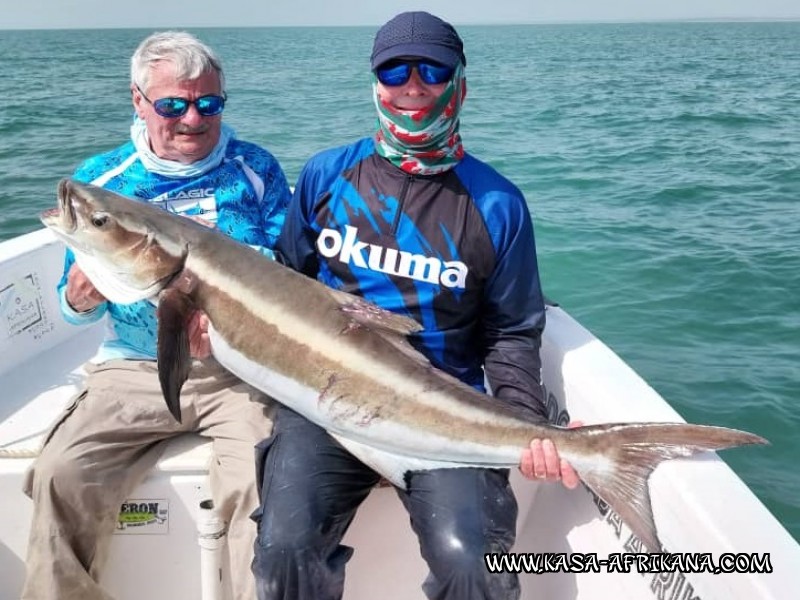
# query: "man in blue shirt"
183, 158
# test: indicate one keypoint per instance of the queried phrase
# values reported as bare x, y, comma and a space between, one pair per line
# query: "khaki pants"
103, 446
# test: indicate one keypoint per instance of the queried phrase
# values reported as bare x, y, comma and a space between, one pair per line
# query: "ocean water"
661, 163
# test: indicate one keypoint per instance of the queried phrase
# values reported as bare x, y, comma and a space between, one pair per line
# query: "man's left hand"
202, 221
540, 462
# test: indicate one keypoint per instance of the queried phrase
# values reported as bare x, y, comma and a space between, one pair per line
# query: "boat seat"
158, 519
34, 397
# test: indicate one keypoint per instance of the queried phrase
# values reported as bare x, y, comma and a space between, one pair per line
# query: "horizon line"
459, 24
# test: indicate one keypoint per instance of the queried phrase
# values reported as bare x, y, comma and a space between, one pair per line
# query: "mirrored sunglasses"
172, 108
398, 72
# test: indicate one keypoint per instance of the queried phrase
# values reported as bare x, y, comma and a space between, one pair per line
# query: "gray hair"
190, 56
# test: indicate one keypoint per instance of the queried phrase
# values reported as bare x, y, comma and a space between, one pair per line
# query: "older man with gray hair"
183, 158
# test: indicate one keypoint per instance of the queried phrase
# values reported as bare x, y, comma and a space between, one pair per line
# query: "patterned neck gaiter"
424, 142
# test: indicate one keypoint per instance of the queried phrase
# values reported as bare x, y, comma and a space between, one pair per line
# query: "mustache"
192, 130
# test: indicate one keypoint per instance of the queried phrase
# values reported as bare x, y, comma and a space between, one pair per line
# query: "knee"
461, 548
282, 536
452, 554
54, 472
458, 570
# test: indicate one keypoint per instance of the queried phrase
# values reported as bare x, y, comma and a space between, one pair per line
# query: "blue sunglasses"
172, 108
398, 72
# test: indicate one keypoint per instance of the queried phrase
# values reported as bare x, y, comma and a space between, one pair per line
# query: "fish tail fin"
633, 451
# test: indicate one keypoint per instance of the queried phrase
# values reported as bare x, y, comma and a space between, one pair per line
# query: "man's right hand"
197, 330
81, 293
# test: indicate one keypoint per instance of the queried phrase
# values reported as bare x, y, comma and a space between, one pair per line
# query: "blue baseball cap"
421, 35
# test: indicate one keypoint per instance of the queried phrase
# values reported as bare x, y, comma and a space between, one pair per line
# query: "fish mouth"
63, 216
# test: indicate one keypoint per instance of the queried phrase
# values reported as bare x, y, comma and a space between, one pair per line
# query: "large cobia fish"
342, 362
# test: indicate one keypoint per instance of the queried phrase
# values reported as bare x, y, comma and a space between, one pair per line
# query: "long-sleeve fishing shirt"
245, 196
455, 251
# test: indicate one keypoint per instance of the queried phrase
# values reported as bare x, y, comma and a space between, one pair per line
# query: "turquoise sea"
661, 163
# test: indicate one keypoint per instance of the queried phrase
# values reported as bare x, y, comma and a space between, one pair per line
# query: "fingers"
80, 293
197, 330
541, 462
569, 477
526, 464
201, 220
552, 465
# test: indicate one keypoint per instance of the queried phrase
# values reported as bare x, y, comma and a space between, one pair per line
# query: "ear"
138, 101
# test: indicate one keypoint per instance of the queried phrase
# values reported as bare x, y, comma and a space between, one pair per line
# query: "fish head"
129, 250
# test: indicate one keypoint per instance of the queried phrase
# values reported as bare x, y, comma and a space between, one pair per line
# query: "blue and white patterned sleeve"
252, 210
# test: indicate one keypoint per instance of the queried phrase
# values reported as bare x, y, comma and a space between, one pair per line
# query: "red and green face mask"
424, 142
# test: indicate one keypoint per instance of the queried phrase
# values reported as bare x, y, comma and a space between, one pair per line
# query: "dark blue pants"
310, 490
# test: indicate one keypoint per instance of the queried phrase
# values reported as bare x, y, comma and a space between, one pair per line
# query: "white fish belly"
356, 424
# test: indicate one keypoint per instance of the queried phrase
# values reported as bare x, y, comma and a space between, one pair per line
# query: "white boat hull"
700, 505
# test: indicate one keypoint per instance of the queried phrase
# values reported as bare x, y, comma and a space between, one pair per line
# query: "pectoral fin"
174, 359
374, 317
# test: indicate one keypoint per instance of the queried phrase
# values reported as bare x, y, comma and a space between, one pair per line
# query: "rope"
21, 453
6, 450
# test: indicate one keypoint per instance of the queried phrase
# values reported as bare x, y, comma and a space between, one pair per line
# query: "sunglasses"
398, 72
172, 108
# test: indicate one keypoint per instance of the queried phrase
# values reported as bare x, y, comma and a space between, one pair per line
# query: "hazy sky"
206, 13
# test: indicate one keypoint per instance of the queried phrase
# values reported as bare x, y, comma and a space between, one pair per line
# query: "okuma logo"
330, 243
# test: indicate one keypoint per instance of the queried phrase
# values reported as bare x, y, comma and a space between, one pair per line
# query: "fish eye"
100, 220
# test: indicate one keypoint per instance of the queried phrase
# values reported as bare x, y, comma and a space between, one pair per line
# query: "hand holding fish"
197, 330
81, 293
541, 461
202, 221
